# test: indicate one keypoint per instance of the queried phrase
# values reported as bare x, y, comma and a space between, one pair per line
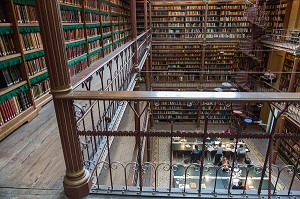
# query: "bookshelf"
199, 20
286, 77
198, 43
190, 112
92, 29
276, 12
140, 16
289, 149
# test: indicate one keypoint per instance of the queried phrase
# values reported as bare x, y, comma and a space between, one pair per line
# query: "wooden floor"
31, 160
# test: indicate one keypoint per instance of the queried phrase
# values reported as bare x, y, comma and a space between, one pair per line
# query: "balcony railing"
96, 123
115, 72
282, 38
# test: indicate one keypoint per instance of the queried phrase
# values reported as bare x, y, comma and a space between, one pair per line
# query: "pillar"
77, 179
134, 31
294, 70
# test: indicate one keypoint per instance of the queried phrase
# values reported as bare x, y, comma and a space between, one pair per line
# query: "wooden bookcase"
176, 58
189, 112
285, 77
199, 43
289, 149
140, 16
276, 12
92, 29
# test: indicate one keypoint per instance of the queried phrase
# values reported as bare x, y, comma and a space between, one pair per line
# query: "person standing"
219, 154
195, 154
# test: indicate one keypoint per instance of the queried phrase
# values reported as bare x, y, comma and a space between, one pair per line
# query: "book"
5, 78
1, 119
15, 74
2, 110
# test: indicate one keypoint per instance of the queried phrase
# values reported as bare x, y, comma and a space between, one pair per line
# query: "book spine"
7, 111
2, 109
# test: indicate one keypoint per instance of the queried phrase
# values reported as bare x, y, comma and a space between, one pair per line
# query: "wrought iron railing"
147, 172
286, 39
115, 72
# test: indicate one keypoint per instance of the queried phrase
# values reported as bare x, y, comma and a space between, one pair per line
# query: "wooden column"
150, 56
134, 31
294, 74
145, 16
277, 143
133, 19
77, 179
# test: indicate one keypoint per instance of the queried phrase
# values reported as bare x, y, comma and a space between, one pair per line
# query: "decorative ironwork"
165, 167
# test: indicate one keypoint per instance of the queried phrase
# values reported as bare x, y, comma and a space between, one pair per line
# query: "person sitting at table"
195, 154
219, 153
225, 164
241, 151
239, 185
268, 77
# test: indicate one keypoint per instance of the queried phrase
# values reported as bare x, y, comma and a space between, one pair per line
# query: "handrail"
182, 96
84, 75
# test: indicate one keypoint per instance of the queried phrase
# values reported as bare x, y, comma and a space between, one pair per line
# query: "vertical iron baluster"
278, 174
234, 155
294, 174
269, 147
270, 165
217, 171
108, 120
171, 154
202, 153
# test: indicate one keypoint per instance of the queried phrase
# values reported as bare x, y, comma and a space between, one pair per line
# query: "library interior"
149, 98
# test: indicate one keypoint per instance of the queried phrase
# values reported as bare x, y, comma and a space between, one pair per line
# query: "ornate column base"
77, 185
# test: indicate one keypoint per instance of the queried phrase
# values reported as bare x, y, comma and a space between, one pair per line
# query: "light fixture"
248, 120
237, 112
218, 89
226, 84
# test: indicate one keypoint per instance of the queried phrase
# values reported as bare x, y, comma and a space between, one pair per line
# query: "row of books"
94, 58
171, 47
76, 68
93, 31
91, 4
74, 34
41, 88
120, 3
25, 14
36, 65
75, 51
71, 16
9, 76
72, 2
105, 18
94, 44
13, 107
104, 7
7, 46
31, 40
92, 17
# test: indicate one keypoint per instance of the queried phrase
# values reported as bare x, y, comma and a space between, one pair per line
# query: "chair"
241, 155
195, 157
